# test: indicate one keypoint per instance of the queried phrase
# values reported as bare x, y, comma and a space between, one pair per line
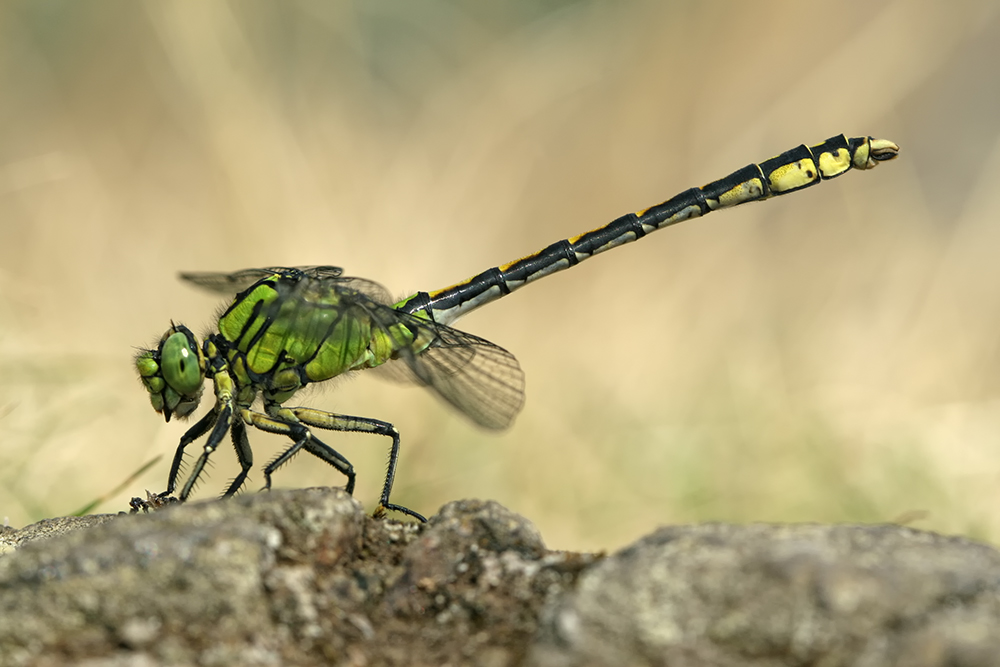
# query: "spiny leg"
243, 453
335, 422
303, 438
190, 436
323, 451
223, 425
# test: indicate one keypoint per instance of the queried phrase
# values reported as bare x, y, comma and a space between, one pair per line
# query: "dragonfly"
288, 327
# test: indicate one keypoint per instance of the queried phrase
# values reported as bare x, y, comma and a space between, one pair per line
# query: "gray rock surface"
11, 539
773, 595
282, 578
306, 578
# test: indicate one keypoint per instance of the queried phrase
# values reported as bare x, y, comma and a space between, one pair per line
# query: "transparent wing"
237, 281
311, 289
368, 288
482, 380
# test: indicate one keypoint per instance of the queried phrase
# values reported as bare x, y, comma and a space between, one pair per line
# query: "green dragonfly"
289, 327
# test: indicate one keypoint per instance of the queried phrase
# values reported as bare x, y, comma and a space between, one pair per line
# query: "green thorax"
289, 330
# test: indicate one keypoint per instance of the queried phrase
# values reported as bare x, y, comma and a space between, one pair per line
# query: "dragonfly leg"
243, 453
335, 422
285, 423
190, 436
222, 425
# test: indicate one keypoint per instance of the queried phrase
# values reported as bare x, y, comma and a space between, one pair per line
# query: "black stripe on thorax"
250, 321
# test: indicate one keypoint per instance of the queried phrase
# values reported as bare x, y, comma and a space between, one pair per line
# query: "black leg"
304, 439
335, 422
190, 436
218, 433
243, 453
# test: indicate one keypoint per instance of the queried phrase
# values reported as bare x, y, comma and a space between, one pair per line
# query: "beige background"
829, 356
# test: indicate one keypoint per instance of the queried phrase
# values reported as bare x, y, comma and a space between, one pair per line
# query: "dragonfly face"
173, 373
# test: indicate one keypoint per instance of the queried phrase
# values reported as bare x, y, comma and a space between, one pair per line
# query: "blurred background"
828, 356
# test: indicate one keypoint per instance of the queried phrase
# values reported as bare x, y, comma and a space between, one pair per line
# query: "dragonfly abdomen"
793, 170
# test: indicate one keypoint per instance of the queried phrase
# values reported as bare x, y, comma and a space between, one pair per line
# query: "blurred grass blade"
89, 507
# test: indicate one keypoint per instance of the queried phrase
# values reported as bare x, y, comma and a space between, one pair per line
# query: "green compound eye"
180, 365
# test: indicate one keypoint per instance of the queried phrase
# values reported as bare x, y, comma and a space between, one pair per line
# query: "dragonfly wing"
396, 370
226, 283
368, 288
237, 281
321, 272
482, 380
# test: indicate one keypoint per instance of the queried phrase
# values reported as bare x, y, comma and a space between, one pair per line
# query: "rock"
11, 539
782, 595
304, 577
282, 578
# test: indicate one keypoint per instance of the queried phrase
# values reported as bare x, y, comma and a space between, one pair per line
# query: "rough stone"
11, 539
306, 578
283, 578
773, 595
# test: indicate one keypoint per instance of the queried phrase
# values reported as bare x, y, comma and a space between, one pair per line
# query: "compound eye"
180, 364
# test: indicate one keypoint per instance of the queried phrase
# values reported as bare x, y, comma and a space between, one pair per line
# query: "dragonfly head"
173, 373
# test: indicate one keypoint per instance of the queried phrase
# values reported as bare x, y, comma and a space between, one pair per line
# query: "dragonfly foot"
380, 511
153, 501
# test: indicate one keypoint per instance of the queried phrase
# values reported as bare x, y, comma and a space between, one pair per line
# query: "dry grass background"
829, 356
